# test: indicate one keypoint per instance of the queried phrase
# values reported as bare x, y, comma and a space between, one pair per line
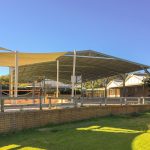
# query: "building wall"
137, 91
113, 92
132, 91
14, 121
95, 93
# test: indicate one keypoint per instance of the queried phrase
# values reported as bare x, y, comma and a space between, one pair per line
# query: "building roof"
53, 84
114, 84
135, 79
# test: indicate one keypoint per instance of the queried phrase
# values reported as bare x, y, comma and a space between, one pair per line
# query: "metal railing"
65, 102
113, 101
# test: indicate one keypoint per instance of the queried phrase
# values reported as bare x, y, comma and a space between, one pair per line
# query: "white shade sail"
91, 65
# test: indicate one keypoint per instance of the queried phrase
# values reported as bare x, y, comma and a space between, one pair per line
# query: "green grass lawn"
109, 133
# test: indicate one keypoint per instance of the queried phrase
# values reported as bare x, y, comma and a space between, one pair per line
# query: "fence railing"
116, 100
65, 102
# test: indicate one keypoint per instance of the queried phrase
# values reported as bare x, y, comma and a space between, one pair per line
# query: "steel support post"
73, 77
146, 71
33, 92
105, 84
16, 75
124, 85
11, 81
57, 83
148, 74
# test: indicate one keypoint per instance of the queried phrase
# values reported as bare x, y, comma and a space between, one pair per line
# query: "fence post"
125, 99
1, 99
139, 101
41, 99
50, 103
33, 92
44, 87
121, 101
100, 102
75, 102
105, 101
62, 100
1, 94
82, 99
2, 104
143, 100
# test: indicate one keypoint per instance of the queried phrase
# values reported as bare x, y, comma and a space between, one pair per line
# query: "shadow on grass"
108, 133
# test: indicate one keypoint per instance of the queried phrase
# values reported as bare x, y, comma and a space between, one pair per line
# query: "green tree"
101, 82
4, 79
147, 81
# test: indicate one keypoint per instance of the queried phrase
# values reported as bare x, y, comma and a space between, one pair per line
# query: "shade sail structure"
2, 48
90, 64
8, 58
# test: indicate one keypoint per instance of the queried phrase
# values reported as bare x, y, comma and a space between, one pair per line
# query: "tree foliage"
101, 82
147, 81
4, 79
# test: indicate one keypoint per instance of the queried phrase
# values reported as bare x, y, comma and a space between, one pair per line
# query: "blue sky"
116, 27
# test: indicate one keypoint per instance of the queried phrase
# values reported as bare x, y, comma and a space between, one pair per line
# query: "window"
112, 91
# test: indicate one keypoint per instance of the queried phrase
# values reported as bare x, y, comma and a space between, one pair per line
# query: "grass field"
109, 133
